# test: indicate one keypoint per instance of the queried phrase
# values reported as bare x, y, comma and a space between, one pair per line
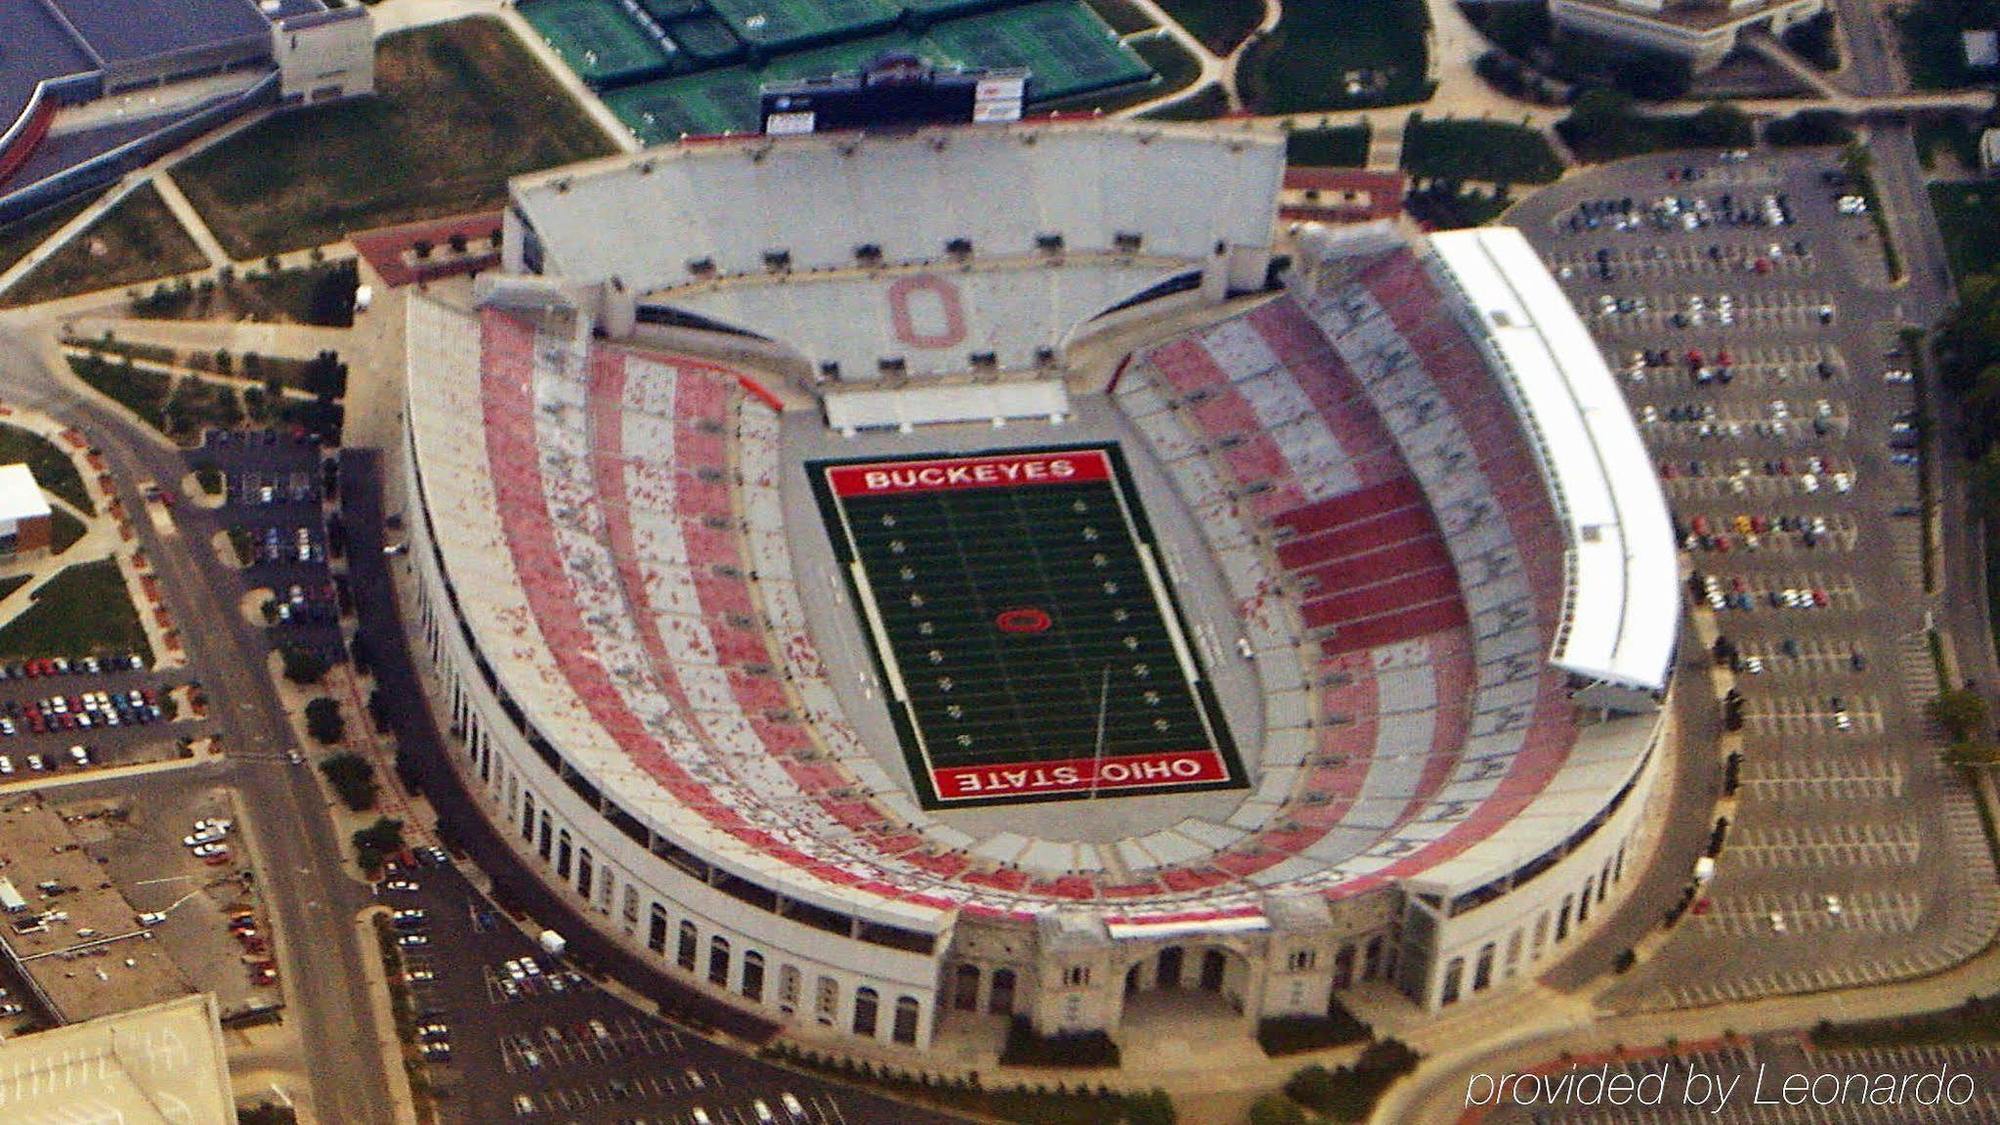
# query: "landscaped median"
137, 239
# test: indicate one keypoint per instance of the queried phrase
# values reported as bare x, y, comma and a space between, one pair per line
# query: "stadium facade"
66, 125
1385, 525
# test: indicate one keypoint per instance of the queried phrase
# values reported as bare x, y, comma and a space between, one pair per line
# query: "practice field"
597, 40
1069, 49
1025, 634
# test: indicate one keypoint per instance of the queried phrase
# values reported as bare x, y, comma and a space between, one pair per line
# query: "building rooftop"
79, 941
161, 1064
140, 29
20, 497
1623, 612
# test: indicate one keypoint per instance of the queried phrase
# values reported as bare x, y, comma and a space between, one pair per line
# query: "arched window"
1343, 967
965, 988
586, 873
1000, 1001
753, 975
864, 1012
547, 838
788, 989
826, 1000
562, 854
1482, 970
685, 955
718, 961
906, 1019
1454, 971
528, 817
656, 930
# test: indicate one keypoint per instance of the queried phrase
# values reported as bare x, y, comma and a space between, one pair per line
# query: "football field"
1024, 630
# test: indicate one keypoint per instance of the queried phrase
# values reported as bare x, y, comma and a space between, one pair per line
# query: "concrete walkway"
190, 219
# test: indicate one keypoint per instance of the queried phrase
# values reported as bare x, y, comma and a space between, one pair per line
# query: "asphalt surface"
291, 836
1846, 860
585, 1093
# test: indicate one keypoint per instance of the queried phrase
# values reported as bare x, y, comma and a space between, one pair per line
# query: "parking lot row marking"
1835, 845
1853, 777
1866, 912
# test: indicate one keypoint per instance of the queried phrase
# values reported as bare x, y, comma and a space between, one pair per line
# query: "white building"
1703, 32
662, 708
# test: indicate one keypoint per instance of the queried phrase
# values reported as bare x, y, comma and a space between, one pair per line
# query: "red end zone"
949, 473
1079, 775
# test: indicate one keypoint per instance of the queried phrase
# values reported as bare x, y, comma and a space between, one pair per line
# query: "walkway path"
204, 239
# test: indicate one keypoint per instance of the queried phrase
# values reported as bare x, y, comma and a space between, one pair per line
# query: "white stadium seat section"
1000, 187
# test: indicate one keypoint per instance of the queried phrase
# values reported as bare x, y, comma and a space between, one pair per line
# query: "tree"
1276, 1109
1722, 125
1961, 712
1973, 754
422, 247
303, 665
325, 375
376, 843
353, 778
224, 362
457, 242
1153, 1107
324, 722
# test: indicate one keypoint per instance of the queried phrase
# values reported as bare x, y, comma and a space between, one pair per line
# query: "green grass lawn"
1494, 151
1345, 146
1968, 214
459, 108
64, 529
1219, 24
52, 467
1339, 54
1932, 51
23, 235
136, 240
83, 611
141, 390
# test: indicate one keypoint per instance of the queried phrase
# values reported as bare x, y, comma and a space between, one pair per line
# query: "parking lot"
509, 1032
1748, 316
274, 485
48, 709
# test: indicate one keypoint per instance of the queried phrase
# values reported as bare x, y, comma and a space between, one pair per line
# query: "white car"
1852, 205
1777, 922
204, 837
1833, 905
203, 851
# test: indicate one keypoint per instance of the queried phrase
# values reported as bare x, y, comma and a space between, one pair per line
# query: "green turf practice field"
597, 40
1026, 637
1068, 47
783, 25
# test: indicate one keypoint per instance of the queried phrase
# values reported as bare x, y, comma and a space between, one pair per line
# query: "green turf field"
783, 25
1027, 641
714, 101
597, 40
1067, 47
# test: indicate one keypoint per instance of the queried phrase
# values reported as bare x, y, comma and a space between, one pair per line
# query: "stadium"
90, 90
900, 581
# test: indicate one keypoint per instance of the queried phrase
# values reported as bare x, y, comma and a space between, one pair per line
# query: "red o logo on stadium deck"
1026, 619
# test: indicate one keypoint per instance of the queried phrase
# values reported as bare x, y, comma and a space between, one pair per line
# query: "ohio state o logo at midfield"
1024, 619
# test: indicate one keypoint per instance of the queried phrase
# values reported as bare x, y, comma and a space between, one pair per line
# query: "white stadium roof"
1624, 598
1180, 189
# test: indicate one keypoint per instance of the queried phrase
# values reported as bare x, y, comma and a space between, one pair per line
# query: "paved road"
292, 838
